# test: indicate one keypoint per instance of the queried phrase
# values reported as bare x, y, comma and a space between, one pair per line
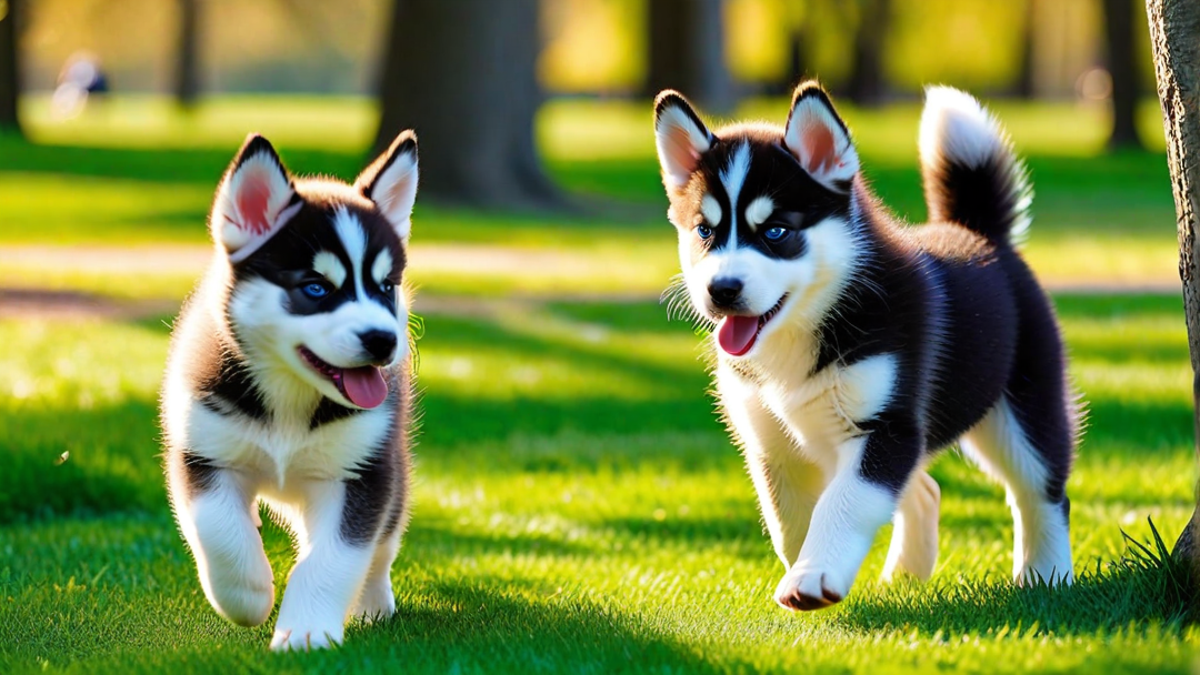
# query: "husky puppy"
288, 383
850, 347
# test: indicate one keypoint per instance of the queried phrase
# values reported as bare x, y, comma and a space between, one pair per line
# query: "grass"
578, 508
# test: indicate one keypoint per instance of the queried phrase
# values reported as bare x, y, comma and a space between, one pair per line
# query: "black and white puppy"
288, 383
850, 347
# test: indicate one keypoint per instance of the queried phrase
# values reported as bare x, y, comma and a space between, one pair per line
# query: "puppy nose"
725, 290
380, 344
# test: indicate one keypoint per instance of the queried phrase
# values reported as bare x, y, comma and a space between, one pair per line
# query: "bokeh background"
578, 505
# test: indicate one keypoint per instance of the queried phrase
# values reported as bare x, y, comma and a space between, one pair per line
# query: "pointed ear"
819, 139
681, 138
391, 182
254, 201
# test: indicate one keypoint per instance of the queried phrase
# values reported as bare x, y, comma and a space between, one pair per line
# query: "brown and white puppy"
849, 347
288, 382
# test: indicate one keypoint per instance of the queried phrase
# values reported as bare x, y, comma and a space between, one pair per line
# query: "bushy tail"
972, 176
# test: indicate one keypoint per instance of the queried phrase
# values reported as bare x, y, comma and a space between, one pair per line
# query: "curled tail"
972, 176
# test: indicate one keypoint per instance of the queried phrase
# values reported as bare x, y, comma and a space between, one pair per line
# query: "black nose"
725, 291
380, 344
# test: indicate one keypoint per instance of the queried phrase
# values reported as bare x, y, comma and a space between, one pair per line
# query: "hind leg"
377, 601
1032, 468
914, 548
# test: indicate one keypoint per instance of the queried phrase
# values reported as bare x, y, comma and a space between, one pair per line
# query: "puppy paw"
246, 602
806, 588
375, 603
304, 638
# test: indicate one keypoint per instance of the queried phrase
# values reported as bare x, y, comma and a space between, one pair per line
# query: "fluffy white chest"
823, 411
283, 449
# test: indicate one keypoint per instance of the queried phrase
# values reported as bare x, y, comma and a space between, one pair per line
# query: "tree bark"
10, 71
187, 61
687, 52
797, 65
1122, 66
866, 86
1026, 84
1174, 25
463, 74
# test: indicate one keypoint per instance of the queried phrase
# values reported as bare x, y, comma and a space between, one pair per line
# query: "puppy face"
317, 266
764, 215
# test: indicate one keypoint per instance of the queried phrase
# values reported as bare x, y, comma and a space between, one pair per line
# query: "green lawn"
578, 508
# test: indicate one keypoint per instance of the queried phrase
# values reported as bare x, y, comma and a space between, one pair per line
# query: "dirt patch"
473, 259
155, 259
36, 303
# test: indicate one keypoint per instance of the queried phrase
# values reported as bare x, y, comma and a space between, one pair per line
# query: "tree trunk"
1174, 25
187, 62
10, 71
1122, 66
866, 72
797, 65
687, 52
463, 74
1026, 84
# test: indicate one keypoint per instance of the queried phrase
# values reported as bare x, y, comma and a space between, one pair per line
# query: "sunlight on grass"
578, 506
149, 121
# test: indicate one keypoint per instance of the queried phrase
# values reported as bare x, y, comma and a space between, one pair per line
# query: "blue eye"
775, 234
703, 231
314, 290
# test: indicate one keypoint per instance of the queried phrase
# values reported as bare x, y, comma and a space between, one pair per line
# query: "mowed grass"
578, 507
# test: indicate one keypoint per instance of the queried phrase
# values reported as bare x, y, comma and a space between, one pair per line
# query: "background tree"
187, 62
687, 52
1122, 65
866, 86
10, 71
1174, 25
797, 68
464, 75
1026, 84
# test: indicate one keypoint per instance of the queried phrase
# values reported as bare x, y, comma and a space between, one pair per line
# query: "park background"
578, 507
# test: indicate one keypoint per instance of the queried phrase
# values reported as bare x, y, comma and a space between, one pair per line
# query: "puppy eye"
314, 290
387, 286
703, 231
775, 234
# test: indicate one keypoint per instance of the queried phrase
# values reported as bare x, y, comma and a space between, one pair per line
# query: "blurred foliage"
591, 45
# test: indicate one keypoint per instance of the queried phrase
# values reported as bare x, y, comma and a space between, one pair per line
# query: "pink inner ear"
679, 145
818, 141
253, 199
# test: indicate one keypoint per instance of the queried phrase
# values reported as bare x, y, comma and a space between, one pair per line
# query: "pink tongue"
364, 386
736, 334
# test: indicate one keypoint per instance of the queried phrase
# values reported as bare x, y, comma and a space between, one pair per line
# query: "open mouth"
363, 386
737, 334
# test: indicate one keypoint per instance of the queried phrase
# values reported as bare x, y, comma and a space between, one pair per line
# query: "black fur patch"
199, 472
230, 385
329, 411
894, 445
369, 496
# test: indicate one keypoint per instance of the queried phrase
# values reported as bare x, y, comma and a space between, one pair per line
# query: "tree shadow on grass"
459, 627
1144, 587
111, 462
160, 165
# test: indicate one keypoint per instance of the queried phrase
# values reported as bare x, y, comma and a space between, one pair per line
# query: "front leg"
859, 500
335, 551
787, 484
218, 515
